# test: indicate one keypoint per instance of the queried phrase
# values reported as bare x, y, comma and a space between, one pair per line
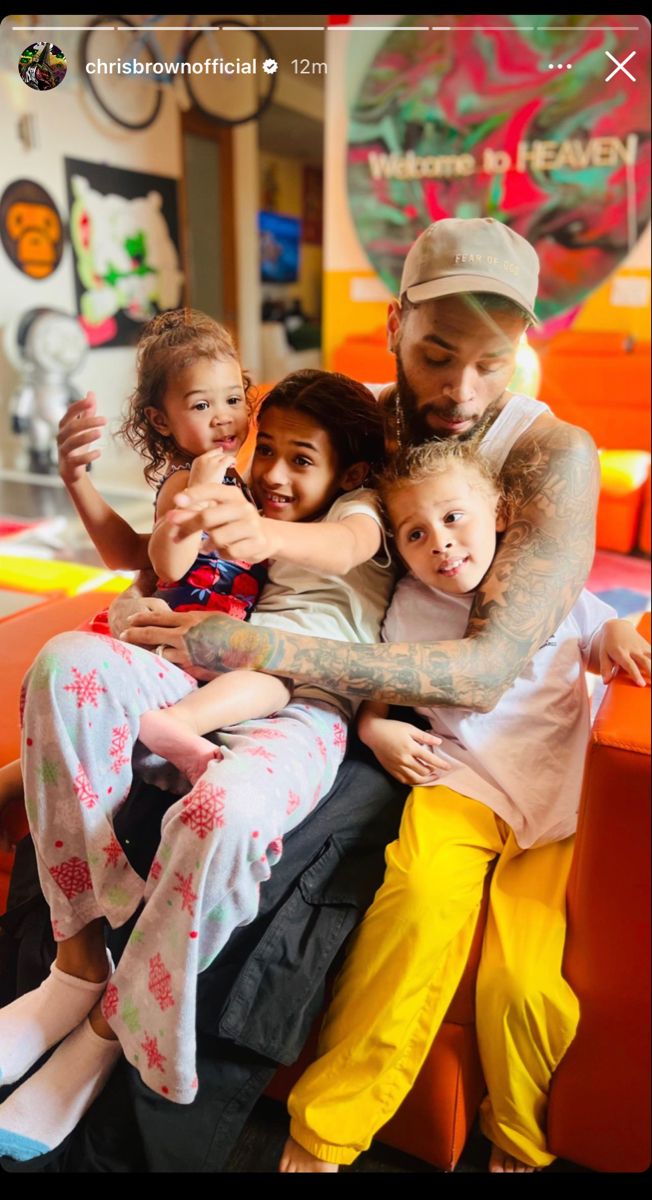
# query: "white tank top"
518, 414
512, 421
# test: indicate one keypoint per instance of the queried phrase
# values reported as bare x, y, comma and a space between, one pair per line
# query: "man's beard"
412, 422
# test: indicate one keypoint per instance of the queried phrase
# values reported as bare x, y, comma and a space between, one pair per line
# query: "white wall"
245, 185
66, 124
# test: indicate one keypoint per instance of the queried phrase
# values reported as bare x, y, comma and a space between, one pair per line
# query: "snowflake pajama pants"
84, 697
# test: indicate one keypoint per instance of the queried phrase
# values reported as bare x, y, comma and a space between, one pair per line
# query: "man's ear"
354, 476
158, 420
393, 325
502, 515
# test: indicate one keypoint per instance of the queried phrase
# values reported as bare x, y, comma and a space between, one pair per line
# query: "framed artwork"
31, 228
124, 230
280, 241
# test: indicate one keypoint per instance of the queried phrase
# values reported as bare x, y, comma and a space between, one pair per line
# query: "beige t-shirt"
346, 608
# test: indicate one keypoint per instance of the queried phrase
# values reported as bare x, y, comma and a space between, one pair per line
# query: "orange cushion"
624, 474
600, 382
645, 533
365, 358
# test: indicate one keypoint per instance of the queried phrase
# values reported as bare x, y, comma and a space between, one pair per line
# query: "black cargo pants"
257, 1001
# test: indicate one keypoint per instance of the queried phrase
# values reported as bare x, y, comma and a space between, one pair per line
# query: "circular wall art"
31, 228
468, 122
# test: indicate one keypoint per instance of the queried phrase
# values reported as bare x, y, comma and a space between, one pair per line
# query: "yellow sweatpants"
404, 966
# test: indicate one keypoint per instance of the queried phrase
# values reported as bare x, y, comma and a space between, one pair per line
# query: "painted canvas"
124, 231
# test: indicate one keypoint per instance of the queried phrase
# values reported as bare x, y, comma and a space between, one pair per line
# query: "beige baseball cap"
478, 254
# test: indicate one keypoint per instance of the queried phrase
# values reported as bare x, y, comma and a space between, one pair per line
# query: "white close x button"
620, 66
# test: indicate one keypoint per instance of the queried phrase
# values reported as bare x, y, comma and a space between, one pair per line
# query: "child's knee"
425, 884
517, 989
63, 646
211, 815
63, 650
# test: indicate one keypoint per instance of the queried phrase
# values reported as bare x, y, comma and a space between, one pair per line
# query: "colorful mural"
517, 123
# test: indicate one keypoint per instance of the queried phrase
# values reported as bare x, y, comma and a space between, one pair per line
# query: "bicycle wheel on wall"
131, 98
225, 98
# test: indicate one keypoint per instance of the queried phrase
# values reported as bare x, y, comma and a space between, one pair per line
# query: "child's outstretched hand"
231, 523
79, 427
405, 752
622, 647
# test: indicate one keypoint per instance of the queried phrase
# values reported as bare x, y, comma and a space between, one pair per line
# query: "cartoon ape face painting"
30, 228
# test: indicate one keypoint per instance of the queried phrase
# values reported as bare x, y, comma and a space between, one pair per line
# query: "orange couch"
599, 1112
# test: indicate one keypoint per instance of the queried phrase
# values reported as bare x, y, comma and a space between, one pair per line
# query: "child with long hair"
505, 794
318, 435
182, 349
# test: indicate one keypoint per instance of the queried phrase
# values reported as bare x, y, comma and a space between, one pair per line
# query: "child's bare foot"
501, 1162
166, 734
296, 1160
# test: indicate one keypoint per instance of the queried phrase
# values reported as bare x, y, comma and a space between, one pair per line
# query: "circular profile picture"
42, 66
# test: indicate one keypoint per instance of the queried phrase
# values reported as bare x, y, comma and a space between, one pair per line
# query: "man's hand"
122, 611
403, 751
163, 627
79, 427
234, 527
622, 647
137, 598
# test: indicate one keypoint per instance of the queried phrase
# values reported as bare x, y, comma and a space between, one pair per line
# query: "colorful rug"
8, 526
623, 581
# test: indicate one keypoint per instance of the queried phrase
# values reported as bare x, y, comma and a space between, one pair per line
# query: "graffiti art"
516, 122
124, 232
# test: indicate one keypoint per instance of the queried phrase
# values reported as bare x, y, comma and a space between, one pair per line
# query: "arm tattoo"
535, 578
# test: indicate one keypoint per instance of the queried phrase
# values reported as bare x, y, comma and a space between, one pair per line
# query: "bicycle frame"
146, 36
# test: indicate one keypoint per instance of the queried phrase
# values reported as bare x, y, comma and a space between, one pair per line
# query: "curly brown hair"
168, 343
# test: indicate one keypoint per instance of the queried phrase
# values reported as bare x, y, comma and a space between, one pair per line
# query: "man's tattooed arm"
536, 576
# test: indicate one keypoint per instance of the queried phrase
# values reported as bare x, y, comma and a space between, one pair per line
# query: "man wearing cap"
467, 297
